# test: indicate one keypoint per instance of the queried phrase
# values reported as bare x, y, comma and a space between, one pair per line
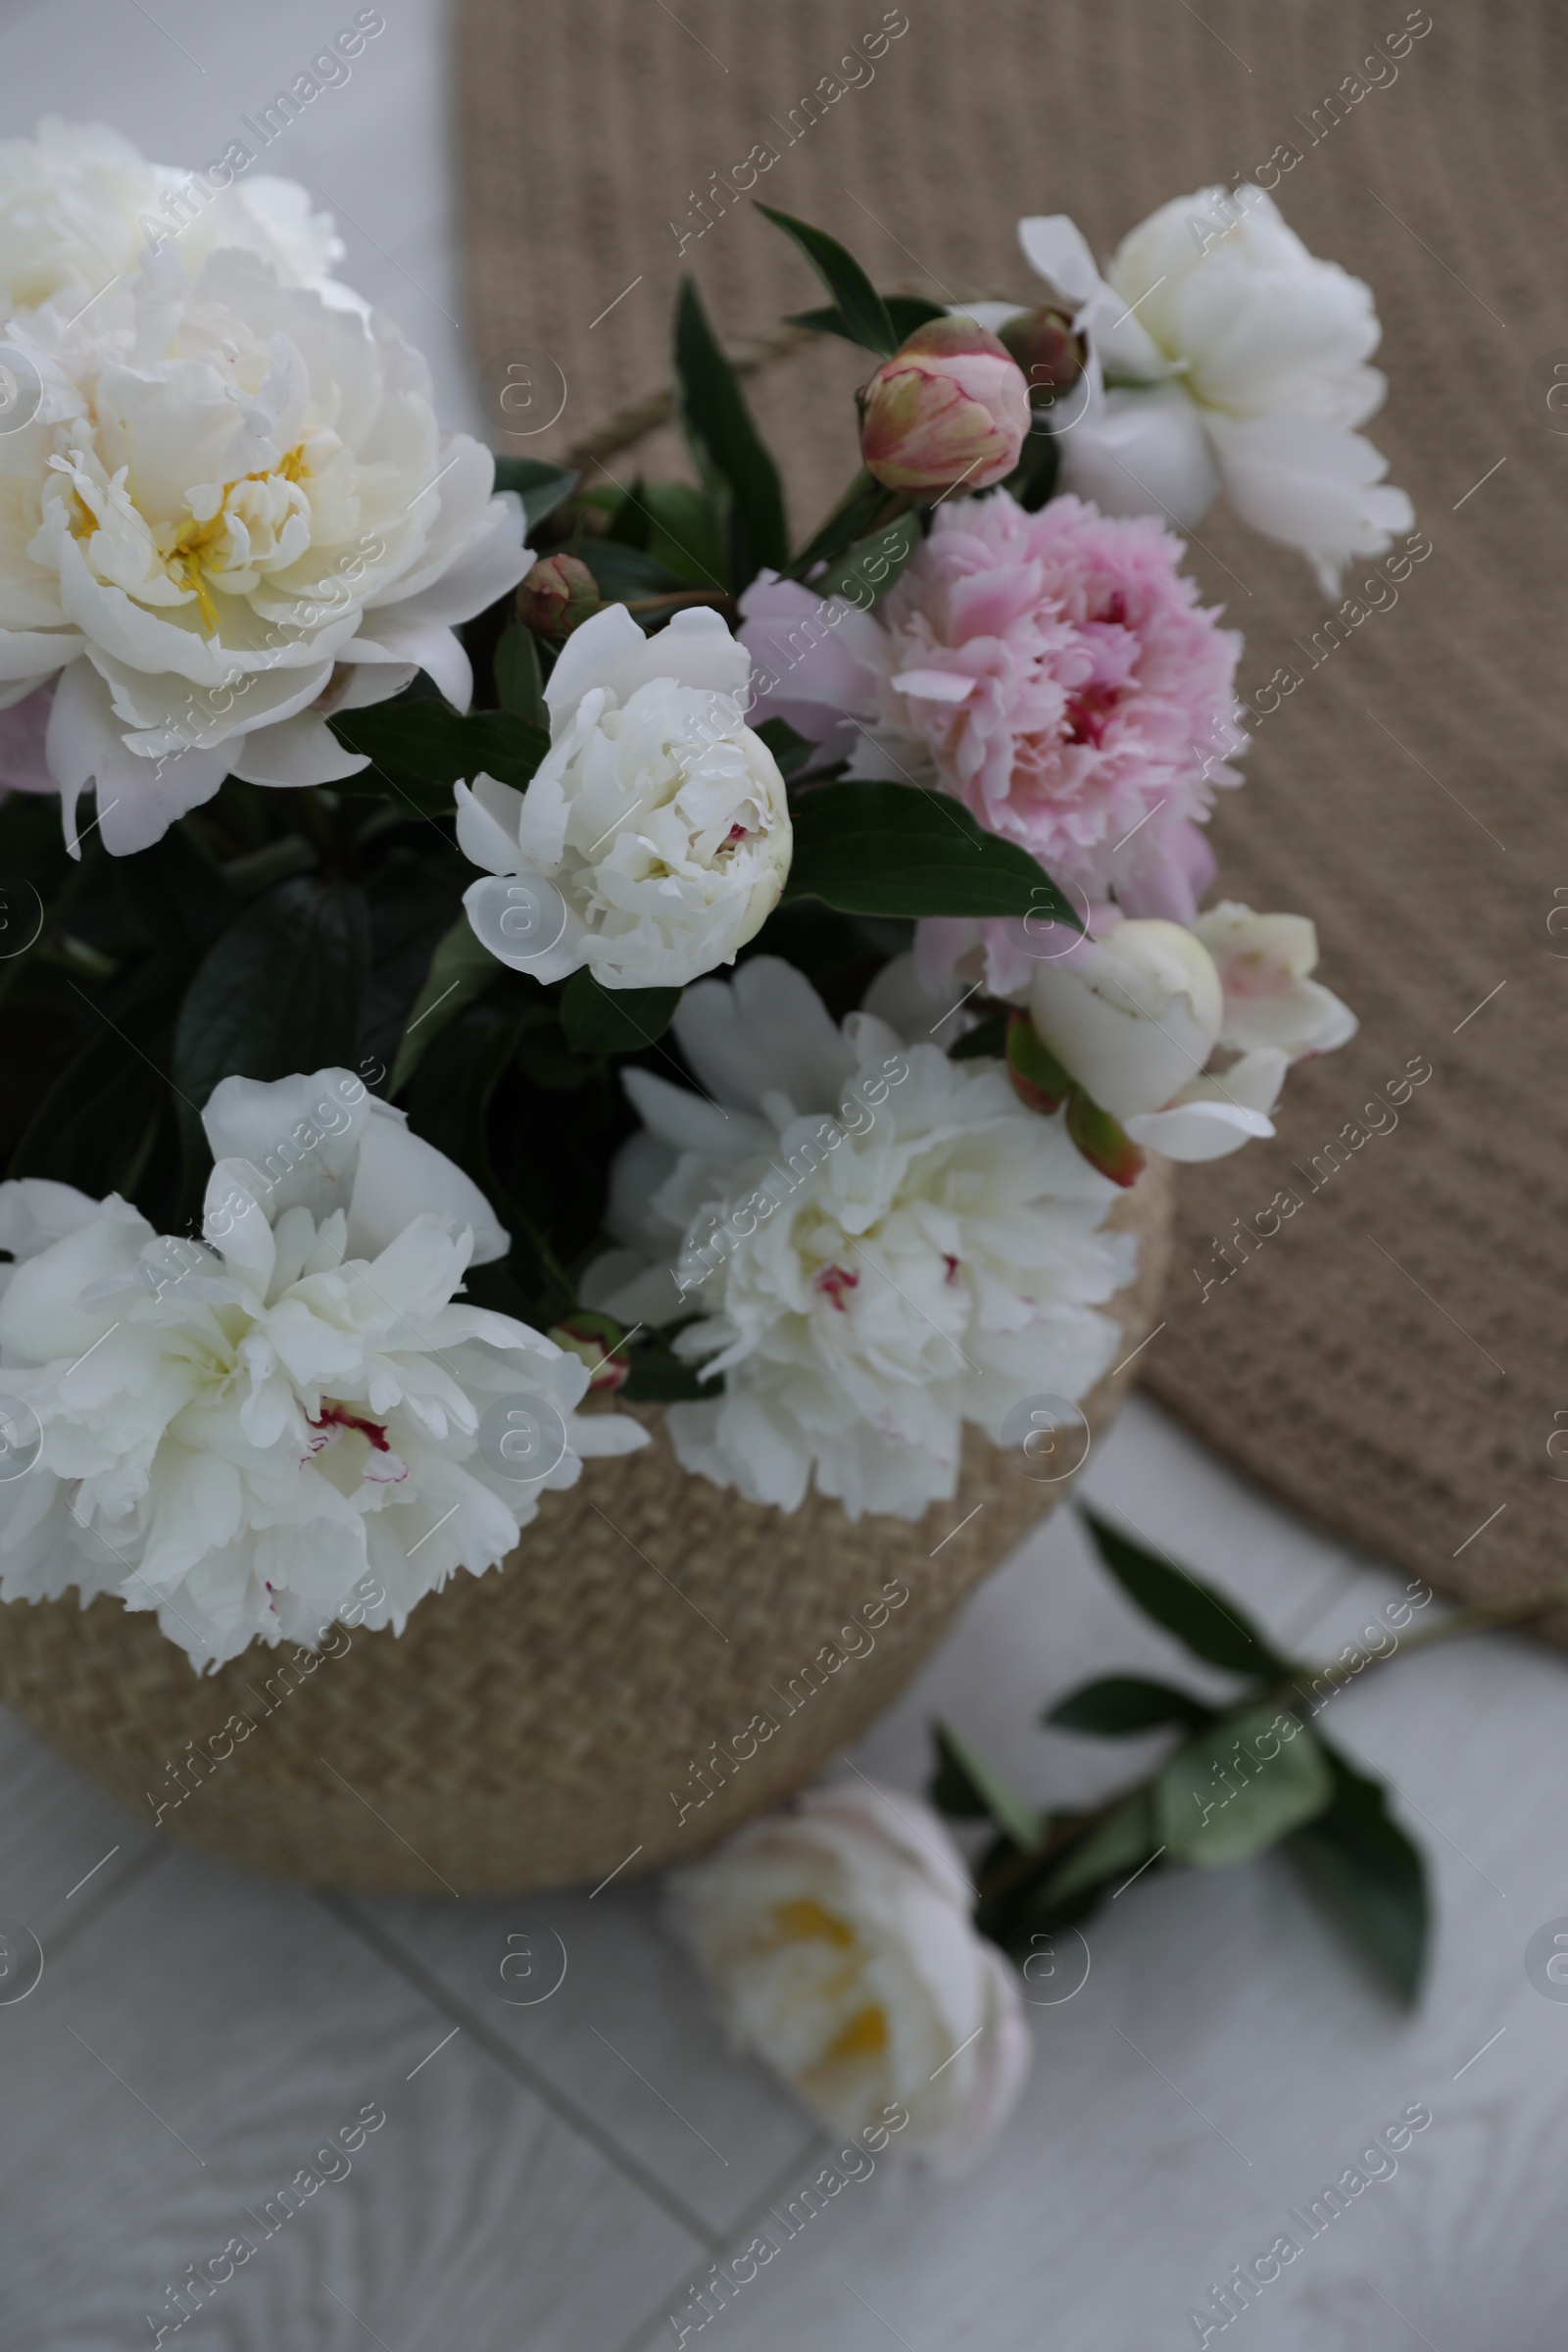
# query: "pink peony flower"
1055, 672
1063, 681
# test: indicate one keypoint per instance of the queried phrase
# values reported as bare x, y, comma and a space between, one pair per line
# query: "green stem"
1023, 1866
834, 534
1484, 1616
316, 827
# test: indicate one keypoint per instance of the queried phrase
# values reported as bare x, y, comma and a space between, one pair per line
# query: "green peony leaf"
686, 530
871, 564
658, 1378
279, 991
449, 1100
791, 752
541, 487
624, 573
896, 849
412, 890
727, 444
1122, 1704
614, 1021
906, 311
1361, 1864
96, 1124
425, 743
179, 899
865, 316
1239, 1785
1209, 1623
519, 678
987, 1040
864, 508
964, 1786
1034, 477
461, 969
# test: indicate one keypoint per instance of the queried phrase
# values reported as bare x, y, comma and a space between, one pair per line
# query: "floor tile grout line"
567, 2110
76, 1923
648, 2330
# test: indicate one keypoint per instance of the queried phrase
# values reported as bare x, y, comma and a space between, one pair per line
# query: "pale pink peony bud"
597, 1342
950, 407
558, 596
1047, 351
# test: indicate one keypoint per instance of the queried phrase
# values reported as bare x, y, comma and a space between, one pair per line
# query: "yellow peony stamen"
806, 1921
862, 2037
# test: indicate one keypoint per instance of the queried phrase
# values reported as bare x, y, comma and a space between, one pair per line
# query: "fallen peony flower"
837, 1938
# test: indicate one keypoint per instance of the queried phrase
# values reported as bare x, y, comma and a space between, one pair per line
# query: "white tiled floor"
558, 2177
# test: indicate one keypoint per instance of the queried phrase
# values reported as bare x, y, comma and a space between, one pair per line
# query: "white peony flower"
231, 513
79, 203
881, 1244
655, 838
1135, 1016
838, 1938
1236, 360
1270, 1004
238, 1432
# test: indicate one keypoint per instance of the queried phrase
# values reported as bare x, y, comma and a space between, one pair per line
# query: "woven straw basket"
548, 1723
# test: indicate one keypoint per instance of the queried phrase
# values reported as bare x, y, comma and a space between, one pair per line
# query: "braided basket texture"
569, 1714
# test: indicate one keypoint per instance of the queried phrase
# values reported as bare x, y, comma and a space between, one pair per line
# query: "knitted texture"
1390, 1361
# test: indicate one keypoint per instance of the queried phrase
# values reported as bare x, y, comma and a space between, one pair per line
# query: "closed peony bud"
950, 407
597, 1342
558, 596
1134, 1017
1047, 351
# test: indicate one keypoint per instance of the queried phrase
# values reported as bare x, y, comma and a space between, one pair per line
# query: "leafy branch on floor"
1245, 1774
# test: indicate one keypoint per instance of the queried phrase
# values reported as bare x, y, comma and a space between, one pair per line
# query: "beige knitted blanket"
1367, 1314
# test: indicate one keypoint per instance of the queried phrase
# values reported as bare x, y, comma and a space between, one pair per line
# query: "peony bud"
597, 1340
950, 407
558, 596
1050, 356
1134, 1016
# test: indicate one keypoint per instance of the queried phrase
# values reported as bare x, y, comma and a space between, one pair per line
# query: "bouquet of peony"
478, 939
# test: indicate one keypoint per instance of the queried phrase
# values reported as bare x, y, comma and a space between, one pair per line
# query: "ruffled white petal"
261, 1433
